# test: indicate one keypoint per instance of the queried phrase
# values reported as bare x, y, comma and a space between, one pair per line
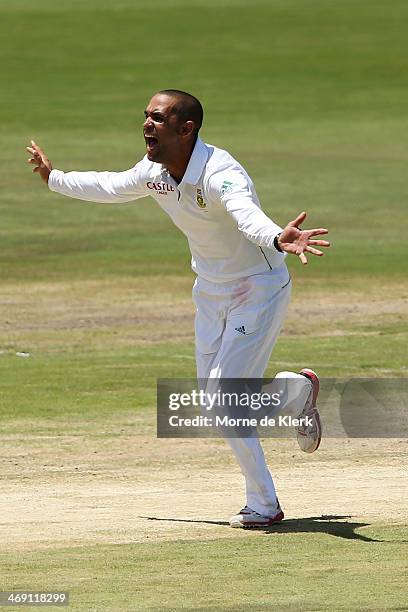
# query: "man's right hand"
42, 164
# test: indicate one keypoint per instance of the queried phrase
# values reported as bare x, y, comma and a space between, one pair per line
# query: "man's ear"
187, 128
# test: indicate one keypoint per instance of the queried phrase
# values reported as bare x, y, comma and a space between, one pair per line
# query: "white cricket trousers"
237, 324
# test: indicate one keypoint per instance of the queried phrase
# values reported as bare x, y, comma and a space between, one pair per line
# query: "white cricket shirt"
215, 206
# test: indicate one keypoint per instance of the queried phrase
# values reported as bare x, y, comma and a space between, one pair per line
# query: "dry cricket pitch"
73, 490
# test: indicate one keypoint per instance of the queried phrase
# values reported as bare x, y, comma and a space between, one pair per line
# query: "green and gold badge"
200, 199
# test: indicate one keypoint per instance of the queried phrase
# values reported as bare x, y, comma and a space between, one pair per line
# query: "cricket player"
242, 285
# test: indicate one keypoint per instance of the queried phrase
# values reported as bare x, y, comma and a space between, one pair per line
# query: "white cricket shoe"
248, 518
309, 436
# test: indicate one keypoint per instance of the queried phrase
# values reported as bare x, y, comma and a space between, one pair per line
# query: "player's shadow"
334, 525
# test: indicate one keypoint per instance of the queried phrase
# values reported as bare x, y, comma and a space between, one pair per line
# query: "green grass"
303, 565
107, 382
99, 383
310, 95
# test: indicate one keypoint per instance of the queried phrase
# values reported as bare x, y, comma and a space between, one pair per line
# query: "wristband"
276, 244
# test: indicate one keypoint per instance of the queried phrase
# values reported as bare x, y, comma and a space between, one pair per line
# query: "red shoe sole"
276, 519
314, 379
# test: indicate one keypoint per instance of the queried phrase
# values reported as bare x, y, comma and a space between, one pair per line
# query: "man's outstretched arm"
105, 187
238, 196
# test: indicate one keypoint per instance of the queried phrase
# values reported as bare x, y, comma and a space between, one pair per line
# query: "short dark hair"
187, 107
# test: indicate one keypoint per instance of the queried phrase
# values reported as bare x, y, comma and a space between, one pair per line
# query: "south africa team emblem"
200, 199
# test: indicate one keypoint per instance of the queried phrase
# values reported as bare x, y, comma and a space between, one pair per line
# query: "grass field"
310, 95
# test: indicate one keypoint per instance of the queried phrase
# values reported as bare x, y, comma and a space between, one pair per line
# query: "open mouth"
151, 142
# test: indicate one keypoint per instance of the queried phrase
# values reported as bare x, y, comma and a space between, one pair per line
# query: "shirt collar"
196, 165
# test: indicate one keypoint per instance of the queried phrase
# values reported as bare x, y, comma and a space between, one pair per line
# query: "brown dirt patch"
82, 489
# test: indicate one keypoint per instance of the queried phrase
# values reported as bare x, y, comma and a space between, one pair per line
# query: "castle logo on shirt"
160, 188
200, 199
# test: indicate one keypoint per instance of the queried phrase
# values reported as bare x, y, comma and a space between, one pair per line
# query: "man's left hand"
298, 242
